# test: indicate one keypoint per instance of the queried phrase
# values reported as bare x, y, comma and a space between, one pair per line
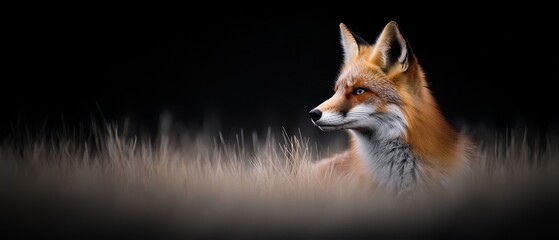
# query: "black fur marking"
409, 56
393, 53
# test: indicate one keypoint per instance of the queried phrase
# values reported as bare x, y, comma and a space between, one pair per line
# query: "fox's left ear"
350, 42
392, 49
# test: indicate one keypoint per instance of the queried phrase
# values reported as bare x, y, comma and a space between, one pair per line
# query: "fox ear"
350, 43
392, 49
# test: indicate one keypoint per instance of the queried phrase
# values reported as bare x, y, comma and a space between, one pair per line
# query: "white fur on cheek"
361, 110
389, 125
360, 116
395, 121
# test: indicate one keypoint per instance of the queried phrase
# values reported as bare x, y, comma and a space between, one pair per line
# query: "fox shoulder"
346, 164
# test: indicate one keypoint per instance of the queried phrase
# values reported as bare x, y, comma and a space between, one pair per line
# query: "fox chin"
399, 140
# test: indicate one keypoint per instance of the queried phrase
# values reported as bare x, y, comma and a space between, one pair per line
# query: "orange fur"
345, 164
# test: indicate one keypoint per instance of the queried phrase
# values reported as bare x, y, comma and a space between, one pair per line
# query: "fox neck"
390, 161
429, 135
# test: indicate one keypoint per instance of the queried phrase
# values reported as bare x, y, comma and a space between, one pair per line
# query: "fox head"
375, 86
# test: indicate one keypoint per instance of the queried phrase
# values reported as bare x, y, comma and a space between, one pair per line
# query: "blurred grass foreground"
112, 183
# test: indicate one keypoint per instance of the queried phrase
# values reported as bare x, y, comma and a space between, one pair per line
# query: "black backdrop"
254, 69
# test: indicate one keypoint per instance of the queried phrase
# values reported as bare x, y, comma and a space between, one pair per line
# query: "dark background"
255, 69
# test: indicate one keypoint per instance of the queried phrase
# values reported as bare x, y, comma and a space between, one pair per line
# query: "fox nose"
315, 114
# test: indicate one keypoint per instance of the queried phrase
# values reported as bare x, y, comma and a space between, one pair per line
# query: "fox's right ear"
350, 43
392, 50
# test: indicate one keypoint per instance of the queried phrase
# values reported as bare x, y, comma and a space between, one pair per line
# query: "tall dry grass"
112, 182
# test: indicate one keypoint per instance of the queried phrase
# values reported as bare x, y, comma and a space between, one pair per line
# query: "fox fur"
399, 139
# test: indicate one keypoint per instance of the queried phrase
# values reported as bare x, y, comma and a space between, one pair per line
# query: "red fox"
399, 139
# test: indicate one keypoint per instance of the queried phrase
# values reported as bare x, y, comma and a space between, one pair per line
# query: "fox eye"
359, 91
